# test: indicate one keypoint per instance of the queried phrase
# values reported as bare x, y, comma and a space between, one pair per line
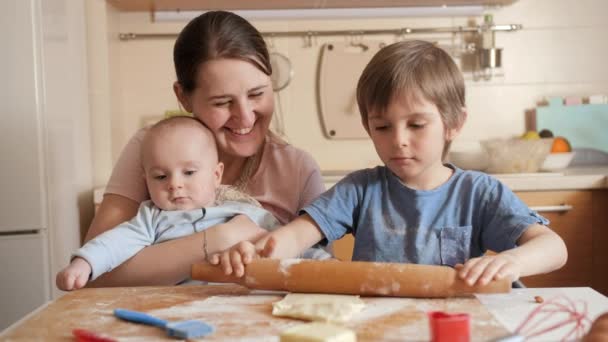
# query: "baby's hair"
416, 69
174, 122
178, 120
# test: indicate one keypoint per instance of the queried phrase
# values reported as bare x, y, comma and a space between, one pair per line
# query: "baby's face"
181, 169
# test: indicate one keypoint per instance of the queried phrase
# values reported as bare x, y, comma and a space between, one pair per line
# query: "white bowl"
557, 161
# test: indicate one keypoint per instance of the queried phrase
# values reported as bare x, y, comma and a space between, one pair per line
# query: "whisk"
573, 313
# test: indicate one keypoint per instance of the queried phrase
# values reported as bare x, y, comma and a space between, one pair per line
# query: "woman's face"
235, 100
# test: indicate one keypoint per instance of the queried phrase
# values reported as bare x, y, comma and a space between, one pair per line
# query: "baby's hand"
241, 254
482, 270
75, 276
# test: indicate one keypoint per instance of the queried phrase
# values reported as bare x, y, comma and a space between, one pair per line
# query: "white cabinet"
24, 275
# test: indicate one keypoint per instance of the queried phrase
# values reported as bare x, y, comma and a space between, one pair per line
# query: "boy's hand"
482, 270
75, 276
241, 254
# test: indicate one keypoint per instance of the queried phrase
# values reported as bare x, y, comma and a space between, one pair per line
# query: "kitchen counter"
240, 314
580, 178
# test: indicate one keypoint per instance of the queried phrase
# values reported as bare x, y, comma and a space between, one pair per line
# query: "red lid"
446, 327
83, 335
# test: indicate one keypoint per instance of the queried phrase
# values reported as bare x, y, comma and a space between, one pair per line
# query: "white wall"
560, 51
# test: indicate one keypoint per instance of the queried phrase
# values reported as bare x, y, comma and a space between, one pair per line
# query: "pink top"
286, 180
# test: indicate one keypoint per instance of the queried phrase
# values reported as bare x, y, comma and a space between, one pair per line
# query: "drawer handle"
553, 208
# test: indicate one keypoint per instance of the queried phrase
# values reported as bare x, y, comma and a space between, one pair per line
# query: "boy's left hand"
482, 270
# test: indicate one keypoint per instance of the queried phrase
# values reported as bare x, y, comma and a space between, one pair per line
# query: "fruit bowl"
557, 161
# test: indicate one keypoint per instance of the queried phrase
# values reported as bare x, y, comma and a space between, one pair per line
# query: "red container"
446, 327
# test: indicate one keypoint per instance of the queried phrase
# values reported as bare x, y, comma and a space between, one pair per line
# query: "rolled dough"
318, 332
318, 307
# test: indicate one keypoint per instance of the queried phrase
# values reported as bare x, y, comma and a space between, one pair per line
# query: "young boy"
416, 209
182, 173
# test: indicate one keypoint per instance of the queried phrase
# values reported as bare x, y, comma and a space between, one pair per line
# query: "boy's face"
409, 138
181, 169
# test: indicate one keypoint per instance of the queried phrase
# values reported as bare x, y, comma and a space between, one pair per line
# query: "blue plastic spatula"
182, 329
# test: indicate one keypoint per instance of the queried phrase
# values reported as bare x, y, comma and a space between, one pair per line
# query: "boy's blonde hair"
416, 69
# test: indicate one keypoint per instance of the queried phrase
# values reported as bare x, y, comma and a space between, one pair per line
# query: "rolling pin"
354, 278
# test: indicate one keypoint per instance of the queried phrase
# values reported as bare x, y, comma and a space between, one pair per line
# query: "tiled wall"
560, 51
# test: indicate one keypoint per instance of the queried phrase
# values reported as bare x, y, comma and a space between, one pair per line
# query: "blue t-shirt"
467, 215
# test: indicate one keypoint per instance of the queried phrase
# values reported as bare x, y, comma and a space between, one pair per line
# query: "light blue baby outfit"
469, 214
152, 225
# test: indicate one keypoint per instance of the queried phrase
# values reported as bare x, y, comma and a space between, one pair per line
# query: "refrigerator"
24, 256
45, 148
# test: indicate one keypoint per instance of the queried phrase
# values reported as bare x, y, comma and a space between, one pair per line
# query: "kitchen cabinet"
599, 279
25, 278
575, 226
580, 217
191, 5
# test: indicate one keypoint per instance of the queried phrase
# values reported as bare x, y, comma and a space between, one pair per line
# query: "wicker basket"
516, 155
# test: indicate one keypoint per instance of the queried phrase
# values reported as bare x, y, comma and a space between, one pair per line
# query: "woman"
223, 78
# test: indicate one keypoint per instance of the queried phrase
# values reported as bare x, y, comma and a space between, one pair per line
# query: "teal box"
585, 126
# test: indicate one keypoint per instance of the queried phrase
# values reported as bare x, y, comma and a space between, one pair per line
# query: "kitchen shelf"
191, 5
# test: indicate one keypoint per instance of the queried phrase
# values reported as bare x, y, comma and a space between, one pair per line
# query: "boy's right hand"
75, 276
233, 260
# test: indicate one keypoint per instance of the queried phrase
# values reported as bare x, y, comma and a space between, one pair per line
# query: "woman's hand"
241, 254
484, 269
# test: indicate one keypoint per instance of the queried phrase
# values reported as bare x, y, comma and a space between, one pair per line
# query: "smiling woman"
224, 79
238, 113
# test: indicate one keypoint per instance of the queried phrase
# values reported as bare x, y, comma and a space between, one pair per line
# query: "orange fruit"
560, 145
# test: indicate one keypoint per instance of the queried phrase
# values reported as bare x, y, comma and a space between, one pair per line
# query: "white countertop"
580, 178
511, 309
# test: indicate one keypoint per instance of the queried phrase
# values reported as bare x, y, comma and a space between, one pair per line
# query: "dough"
318, 332
318, 307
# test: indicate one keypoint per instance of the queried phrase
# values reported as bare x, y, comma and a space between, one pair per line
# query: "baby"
416, 208
182, 172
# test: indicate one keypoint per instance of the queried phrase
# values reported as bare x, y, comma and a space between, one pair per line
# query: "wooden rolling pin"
355, 278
